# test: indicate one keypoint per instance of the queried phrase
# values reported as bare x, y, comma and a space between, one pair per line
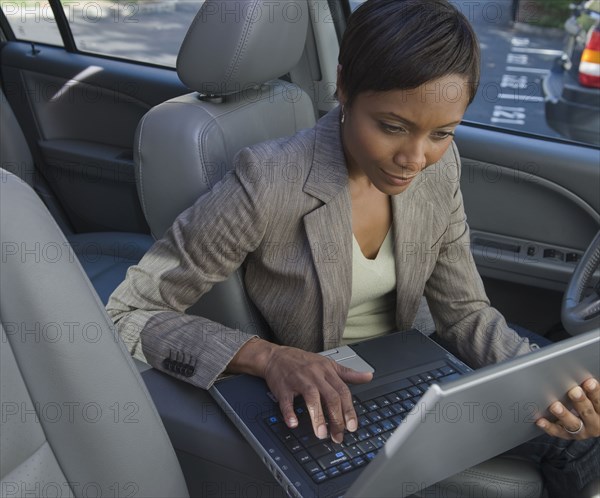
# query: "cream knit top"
373, 301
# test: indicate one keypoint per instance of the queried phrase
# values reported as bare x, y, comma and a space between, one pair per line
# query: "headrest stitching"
243, 42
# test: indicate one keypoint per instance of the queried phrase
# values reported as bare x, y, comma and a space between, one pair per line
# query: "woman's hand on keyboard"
321, 382
291, 372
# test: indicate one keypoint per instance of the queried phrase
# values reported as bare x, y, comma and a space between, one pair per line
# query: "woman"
371, 220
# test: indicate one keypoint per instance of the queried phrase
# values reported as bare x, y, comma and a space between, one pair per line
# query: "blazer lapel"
329, 227
413, 219
332, 256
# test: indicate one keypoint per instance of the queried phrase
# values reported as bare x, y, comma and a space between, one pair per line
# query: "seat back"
14, 151
77, 419
230, 56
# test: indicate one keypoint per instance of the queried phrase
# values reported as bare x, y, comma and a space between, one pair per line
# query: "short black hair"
403, 44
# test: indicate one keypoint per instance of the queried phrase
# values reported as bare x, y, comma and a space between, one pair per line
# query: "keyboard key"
398, 418
375, 429
333, 471
359, 462
415, 391
450, 377
319, 477
309, 440
358, 407
300, 410
345, 467
286, 436
371, 405
363, 421
378, 442
404, 394
366, 446
273, 420
332, 459
312, 467
397, 408
304, 428
423, 386
427, 377
370, 456
335, 447
374, 417
382, 401
350, 439
319, 450
387, 425
436, 374
447, 370
303, 457
362, 434
385, 412
353, 451
408, 405
394, 398
415, 379
294, 446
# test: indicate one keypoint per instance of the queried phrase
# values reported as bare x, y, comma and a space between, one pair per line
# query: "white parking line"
527, 69
514, 81
508, 115
520, 98
542, 51
508, 121
521, 59
519, 42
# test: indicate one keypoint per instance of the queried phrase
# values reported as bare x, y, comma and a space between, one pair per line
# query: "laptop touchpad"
346, 357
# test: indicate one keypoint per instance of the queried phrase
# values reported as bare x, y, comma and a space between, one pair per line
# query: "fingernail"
351, 424
321, 432
541, 424
292, 422
592, 385
576, 393
557, 409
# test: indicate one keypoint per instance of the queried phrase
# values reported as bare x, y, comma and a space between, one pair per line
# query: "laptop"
425, 415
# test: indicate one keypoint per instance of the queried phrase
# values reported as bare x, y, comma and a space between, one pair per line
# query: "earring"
343, 118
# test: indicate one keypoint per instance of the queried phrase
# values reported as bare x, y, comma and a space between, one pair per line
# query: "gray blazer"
284, 212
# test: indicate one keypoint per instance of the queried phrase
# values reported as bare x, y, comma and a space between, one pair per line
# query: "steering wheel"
581, 314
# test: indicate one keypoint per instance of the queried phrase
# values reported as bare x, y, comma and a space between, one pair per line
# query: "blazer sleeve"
457, 299
205, 244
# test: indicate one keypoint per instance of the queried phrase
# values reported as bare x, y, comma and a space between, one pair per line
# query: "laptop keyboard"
379, 413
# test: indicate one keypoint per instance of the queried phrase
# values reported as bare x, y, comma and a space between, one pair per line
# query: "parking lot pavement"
514, 63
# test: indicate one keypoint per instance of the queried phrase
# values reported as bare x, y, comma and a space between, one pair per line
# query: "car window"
530, 67
149, 31
32, 21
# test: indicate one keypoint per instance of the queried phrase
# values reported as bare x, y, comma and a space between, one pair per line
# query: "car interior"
98, 157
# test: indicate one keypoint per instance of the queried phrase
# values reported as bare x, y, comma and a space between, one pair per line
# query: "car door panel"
533, 206
79, 114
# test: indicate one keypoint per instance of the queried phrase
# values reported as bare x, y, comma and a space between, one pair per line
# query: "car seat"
231, 58
77, 419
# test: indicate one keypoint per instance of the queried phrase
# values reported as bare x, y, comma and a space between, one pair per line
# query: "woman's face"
390, 137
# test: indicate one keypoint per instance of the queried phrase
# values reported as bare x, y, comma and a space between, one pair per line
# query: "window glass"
32, 20
142, 30
530, 67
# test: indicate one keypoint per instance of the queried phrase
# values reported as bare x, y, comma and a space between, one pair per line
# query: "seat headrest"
234, 45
